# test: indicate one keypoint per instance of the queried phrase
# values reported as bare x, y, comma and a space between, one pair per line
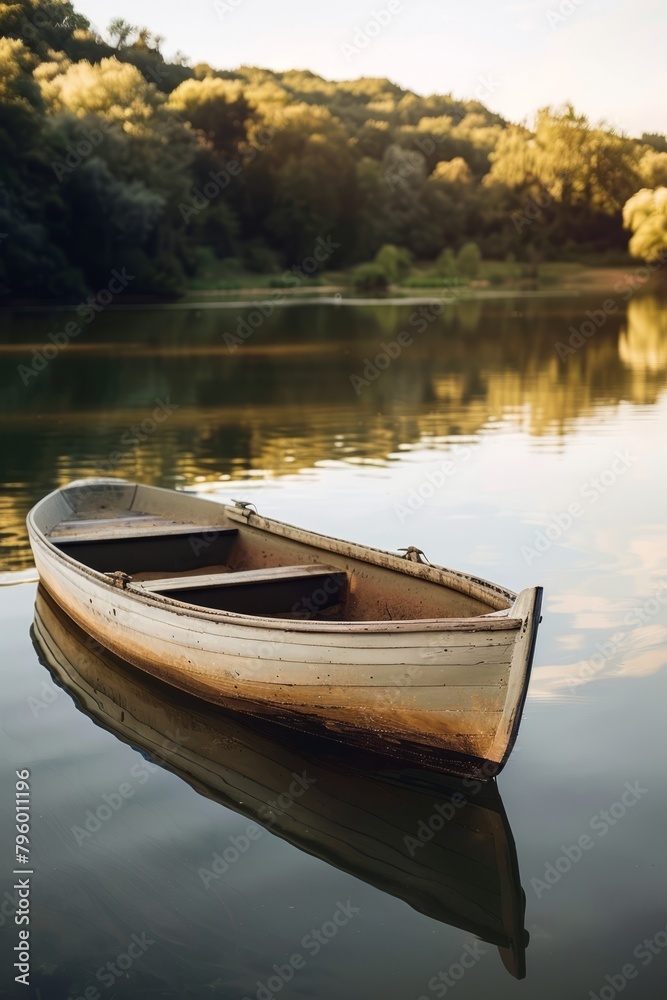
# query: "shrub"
445, 265
260, 259
394, 261
370, 278
469, 260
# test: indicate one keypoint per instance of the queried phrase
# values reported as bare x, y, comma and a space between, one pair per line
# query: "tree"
21, 105
468, 260
370, 278
372, 197
216, 107
306, 163
445, 265
120, 29
646, 215
656, 140
574, 162
454, 171
144, 38
394, 261
653, 169
114, 153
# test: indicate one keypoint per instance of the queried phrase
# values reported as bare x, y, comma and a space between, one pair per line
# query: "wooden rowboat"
269, 619
441, 844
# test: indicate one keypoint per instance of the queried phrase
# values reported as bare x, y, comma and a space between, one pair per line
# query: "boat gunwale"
429, 572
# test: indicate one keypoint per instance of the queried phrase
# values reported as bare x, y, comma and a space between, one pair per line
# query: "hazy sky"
606, 56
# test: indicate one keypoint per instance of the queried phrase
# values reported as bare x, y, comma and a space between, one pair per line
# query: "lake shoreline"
587, 281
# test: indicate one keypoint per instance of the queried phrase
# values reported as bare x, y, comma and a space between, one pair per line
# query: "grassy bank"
501, 276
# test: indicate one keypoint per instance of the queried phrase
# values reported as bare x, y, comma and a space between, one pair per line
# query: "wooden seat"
128, 530
164, 548
304, 591
270, 574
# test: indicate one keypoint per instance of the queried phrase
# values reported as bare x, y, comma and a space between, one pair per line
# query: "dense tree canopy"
111, 156
646, 215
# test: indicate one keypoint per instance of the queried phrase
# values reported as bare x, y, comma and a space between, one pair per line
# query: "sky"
605, 56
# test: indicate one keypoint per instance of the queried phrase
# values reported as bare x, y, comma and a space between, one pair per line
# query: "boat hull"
464, 871
445, 695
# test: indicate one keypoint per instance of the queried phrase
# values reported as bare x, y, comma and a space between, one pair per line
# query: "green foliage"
394, 261
445, 265
455, 171
260, 259
468, 260
112, 154
646, 215
569, 159
212, 272
217, 107
370, 278
653, 168
656, 141
120, 29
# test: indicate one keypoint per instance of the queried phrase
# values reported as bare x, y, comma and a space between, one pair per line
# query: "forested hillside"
110, 157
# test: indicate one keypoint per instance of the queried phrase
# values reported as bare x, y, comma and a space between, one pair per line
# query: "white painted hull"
452, 688
465, 874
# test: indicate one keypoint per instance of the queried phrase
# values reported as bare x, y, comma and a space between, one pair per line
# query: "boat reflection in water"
441, 844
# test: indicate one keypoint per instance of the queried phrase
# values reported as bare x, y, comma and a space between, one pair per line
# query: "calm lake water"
555, 474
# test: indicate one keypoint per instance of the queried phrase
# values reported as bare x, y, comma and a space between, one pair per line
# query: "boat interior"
197, 552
